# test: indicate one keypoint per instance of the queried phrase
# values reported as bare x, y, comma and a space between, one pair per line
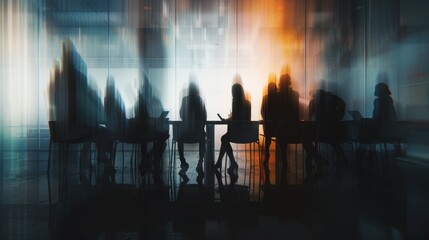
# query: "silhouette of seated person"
380, 126
149, 128
289, 128
114, 110
193, 114
241, 111
328, 110
74, 103
75, 107
269, 110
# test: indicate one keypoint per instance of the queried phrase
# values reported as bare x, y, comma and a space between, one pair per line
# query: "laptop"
356, 115
163, 114
220, 117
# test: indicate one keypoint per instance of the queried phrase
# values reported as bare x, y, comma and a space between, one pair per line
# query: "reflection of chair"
137, 133
336, 135
181, 135
372, 134
247, 133
135, 142
63, 138
296, 133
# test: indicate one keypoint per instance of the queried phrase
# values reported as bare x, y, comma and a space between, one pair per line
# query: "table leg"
210, 156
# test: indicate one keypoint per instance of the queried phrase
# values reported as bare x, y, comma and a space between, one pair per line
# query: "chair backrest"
244, 131
293, 132
186, 134
53, 130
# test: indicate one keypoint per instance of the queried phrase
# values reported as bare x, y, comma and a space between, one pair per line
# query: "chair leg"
226, 163
260, 171
303, 164
245, 166
174, 170
170, 171
132, 165
252, 165
296, 163
90, 163
47, 174
387, 156
49, 158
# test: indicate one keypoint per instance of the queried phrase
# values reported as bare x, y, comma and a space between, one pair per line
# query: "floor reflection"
94, 207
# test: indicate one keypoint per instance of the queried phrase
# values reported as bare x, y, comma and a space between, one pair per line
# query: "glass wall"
342, 46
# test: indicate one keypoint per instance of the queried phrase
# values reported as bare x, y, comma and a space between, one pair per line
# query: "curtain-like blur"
343, 46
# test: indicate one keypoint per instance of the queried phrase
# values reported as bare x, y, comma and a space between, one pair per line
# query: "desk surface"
216, 122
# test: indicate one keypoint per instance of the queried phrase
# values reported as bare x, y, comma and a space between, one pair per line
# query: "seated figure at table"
149, 128
327, 110
75, 106
289, 127
193, 114
241, 111
114, 108
114, 111
269, 111
380, 126
288, 119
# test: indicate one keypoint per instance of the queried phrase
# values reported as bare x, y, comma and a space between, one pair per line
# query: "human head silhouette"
237, 91
193, 89
272, 88
285, 82
382, 90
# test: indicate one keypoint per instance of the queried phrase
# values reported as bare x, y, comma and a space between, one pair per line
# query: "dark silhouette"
114, 108
328, 110
288, 100
75, 107
377, 128
151, 129
193, 114
384, 111
269, 112
73, 102
241, 109
288, 118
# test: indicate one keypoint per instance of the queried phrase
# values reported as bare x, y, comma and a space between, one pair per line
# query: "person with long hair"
240, 112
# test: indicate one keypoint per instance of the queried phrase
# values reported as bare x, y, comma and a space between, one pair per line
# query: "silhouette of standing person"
269, 110
241, 111
193, 114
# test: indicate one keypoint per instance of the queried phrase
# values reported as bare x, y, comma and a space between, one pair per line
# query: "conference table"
209, 179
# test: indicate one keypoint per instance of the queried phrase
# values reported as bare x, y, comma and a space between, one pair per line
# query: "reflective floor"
383, 204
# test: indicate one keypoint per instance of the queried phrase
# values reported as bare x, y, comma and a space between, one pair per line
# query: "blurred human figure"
75, 106
114, 111
288, 100
328, 110
114, 108
288, 118
384, 110
269, 112
241, 111
193, 114
149, 129
379, 126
